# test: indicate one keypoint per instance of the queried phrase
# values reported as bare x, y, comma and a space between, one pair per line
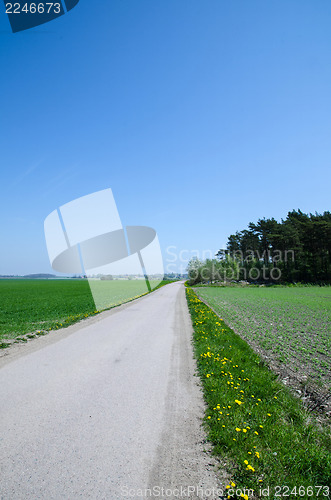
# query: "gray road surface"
105, 409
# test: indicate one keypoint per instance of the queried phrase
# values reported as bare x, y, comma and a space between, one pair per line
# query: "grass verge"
274, 445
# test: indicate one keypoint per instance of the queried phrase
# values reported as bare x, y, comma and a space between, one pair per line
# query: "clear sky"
200, 115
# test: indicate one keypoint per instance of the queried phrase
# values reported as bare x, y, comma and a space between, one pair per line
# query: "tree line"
297, 249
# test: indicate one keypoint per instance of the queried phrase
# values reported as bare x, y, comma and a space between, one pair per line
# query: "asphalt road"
106, 408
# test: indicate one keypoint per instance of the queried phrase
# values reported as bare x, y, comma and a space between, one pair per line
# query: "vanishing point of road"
105, 409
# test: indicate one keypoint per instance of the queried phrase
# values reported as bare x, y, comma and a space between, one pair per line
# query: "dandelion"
237, 429
244, 430
255, 432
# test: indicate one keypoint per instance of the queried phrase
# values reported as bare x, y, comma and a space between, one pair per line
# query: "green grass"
253, 421
36, 306
291, 323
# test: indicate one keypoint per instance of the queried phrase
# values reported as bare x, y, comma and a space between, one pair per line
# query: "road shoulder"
183, 456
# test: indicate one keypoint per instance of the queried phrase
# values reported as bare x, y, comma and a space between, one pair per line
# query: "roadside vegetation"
30, 308
289, 326
269, 440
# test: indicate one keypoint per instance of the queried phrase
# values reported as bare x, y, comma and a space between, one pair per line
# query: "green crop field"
36, 306
290, 324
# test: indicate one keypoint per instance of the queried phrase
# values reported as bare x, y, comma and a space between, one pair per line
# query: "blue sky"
201, 116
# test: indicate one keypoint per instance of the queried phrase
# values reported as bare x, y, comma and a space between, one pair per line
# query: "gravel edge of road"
184, 455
